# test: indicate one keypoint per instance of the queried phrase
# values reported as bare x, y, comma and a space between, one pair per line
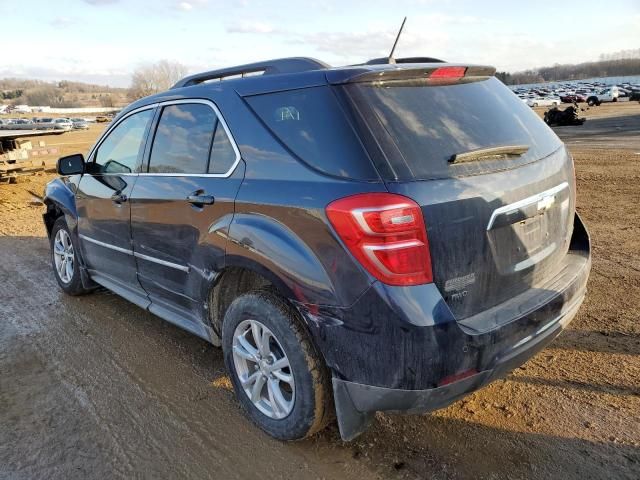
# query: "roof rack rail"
269, 67
385, 60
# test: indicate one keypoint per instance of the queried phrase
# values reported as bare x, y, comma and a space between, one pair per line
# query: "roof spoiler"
385, 60
434, 72
268, 67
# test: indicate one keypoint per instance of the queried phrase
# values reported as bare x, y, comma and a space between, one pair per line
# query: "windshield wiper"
492, 153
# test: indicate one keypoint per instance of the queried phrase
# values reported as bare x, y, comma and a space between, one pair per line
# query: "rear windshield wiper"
492, 153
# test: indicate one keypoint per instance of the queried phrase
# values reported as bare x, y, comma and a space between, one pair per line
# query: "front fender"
58, 195
265, 245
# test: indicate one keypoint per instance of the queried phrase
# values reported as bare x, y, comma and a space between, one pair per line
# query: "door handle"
119, 197
201, 199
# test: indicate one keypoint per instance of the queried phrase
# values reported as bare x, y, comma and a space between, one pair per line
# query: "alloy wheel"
63, 256
263, 369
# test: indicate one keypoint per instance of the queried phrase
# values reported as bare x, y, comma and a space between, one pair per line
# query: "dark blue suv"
378, 237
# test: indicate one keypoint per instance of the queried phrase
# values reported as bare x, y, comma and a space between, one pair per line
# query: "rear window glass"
427, 125
311, 123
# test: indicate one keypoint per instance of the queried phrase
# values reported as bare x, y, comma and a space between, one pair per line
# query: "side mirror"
71, 165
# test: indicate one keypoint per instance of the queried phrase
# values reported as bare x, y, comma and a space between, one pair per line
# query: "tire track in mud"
144, 384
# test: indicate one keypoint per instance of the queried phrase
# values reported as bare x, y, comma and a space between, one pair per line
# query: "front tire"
279, 378
64, 259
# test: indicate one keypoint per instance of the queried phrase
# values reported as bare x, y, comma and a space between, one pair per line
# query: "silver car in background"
62, 124
79, 124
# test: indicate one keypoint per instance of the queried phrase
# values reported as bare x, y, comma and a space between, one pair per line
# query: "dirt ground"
94, 387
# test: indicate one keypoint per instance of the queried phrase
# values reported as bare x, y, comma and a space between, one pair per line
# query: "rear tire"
303, 405
64, 259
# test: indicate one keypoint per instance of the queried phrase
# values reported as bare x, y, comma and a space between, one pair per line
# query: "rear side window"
428, 124
183, 139
223, 156
311, 123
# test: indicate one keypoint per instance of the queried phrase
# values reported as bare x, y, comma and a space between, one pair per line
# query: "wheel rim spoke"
280, 364
69, 264
256, 390
61, 267
278, 402
251, 380
242, 352
58, 248
284, 377
244, 343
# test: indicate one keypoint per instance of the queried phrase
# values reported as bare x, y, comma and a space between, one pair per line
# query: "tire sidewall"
269, 310
74, 287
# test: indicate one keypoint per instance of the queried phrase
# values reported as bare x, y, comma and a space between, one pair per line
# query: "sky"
103, 41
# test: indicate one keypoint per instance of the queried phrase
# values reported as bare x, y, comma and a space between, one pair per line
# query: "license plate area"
523, 234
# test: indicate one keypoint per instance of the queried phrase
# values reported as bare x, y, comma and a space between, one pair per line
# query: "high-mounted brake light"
448, 72
387, 235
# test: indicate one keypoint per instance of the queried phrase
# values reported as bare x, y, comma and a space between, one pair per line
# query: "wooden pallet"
11, 170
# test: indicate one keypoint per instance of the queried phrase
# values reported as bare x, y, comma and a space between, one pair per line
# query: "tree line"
602, 68
160, 76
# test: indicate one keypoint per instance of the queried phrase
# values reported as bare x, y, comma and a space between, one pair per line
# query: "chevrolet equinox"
379, 237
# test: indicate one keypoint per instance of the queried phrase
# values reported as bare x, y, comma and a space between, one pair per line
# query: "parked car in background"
303, 221
79, 124
543, 101
605, 95
62, 124
16, 124
102, 119
44, 123
573, 98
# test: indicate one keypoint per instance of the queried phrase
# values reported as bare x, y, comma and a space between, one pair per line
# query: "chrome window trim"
136, 254
165, 103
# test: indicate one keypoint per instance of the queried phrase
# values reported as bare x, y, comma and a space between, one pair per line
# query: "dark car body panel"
458, 213
268, 216
190, 239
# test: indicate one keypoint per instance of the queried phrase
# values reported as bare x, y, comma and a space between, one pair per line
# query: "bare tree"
154, 78
106, 100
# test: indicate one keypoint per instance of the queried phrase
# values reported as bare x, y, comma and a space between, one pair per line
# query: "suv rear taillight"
387, 234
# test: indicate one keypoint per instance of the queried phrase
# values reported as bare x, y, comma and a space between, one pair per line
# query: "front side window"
183, 139
121, 149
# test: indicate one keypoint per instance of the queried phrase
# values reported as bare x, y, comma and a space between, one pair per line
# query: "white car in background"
543, 101
62, 124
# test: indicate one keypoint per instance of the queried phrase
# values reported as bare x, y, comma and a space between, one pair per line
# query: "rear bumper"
356, 403
397, 349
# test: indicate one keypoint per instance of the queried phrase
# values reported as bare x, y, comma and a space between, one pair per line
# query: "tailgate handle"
525, 208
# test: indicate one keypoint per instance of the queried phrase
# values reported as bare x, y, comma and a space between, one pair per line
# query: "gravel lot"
94, 387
